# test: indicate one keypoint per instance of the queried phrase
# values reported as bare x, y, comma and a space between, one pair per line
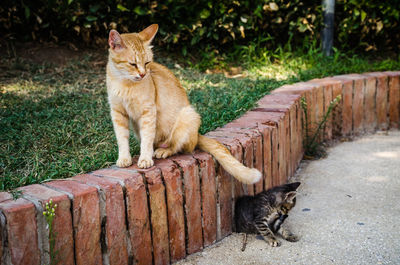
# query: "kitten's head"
131, 53
286, 196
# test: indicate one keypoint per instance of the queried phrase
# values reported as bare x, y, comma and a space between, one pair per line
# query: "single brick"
247, 145
112, 212
176, 219
21, 228
284, 149
300, 133
251, 118
209, 196
276, 120
266, 131
347, 103
318, 111
297, 135
337, 110
258, 159
137, 212
158, 216
86, 219
382, 102
190, 174
310, 107
370, 119
327, 101
298, 88
394, 100
62, 223
277, 102
120, 174
358, 106
224, 187
294, 137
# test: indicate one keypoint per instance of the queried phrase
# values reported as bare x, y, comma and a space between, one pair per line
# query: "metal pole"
328, 9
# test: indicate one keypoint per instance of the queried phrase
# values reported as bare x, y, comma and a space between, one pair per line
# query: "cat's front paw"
145, 162
274, 243
292, 238
124, 161
163, 152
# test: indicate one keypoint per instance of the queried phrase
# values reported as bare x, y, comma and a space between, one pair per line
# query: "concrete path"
347, 212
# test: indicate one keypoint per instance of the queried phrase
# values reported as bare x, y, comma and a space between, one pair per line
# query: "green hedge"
185, 25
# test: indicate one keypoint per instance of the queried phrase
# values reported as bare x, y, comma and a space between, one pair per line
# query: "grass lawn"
55, 122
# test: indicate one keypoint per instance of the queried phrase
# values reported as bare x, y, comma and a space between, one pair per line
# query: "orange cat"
151, 97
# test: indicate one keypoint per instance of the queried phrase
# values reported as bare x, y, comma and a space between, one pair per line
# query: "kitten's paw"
292, 238
274, 243
145, 162
124, 161
163, 152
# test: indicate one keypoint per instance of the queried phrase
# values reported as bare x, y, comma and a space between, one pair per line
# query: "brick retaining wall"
185, 203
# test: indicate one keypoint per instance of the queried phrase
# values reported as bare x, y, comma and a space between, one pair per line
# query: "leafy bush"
205, 24
369, 25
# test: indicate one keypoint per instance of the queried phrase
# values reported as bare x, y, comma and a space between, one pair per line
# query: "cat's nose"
142, 75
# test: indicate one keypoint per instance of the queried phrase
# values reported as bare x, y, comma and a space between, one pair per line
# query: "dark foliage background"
186, 25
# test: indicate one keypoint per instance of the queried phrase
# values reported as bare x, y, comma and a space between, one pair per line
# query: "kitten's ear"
293, 186
115, 41
147, 35
290, 196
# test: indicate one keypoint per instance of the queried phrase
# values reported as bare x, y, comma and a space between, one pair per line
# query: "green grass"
55, 122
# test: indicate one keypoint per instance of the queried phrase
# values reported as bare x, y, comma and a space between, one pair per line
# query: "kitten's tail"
228, 162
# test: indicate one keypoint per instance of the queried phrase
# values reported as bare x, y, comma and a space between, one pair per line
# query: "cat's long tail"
228, 162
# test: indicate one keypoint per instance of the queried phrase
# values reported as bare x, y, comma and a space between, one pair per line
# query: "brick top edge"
71, 187
5, 196
16, 205
42, 193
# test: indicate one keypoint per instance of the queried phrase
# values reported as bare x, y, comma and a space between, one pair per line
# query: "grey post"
328, 9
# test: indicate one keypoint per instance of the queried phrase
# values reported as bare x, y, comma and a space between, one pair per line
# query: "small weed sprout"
16, 194
311, 145
49, 213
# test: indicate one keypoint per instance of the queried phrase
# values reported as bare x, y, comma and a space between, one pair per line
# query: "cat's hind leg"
287, 235
184, 134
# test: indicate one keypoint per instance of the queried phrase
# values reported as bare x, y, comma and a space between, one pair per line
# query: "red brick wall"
186, 202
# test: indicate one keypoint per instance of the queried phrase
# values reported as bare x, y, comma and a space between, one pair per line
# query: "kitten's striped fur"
265, 213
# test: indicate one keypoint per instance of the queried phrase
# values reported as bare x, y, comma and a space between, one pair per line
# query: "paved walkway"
347, 212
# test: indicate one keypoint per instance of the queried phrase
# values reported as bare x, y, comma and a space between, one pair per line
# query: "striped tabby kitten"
265, 213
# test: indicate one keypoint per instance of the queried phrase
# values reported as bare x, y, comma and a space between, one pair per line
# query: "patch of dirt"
46, 52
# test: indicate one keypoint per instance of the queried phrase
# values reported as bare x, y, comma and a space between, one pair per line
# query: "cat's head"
131, 53
286, 196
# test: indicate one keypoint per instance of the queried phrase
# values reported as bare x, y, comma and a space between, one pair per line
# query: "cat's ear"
290, 196
147, 35
293, 186
115, 41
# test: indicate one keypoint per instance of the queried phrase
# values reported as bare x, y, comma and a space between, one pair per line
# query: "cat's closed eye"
133, 64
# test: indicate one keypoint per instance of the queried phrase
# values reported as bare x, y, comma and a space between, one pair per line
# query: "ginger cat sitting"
151, 97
